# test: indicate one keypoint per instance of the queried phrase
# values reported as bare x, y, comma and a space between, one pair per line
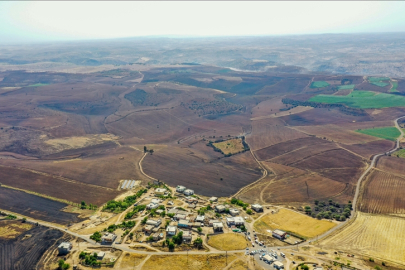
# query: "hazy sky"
42, 21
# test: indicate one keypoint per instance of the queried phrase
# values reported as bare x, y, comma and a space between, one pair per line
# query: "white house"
180, 189
171, 230
188, 192
64, 248
257, 207
220, 208
234, 211
160, 191
152, 206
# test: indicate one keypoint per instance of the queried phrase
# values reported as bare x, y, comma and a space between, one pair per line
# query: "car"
247, 248
292, 254
293, 262
249, 233
253, 245
261, 258
264, 246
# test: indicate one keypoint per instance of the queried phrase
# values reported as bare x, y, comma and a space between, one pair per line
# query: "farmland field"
394, 86
35, 207
19, 253
319, 84
379, 81
383, 194
348, 86
399, 153
372, 235
232, 146
363, 100
388, 133
181, 262
228, 241
294, 222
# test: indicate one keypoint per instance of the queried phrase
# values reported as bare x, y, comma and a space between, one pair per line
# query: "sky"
78, 20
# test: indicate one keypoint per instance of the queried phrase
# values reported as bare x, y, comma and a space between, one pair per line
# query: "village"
165, 219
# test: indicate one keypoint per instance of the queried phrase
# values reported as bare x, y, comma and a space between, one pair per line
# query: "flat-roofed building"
279, 234
180, 189
257, 207
234, 211
108, 238
220, 208
64, 248
160, 191
171, 230
188, 192
218, 227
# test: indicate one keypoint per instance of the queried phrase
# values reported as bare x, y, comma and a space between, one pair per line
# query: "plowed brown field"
383, 194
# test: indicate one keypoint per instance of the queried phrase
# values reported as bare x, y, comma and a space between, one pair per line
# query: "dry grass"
228, 241
294, 222
12, 229
79, 142
375, 236
231, 146
239, 265
298, 109
129, 260
195, 262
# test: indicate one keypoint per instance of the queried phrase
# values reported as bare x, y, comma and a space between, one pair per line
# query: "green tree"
96, 236
304, 267
145, 149
249, 211
171, 246
144, 220
198, 242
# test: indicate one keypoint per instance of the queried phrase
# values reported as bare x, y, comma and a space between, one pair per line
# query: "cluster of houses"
153, 204
184, 190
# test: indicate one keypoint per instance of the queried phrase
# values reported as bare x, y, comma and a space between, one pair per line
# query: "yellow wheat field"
376, 236
291, 221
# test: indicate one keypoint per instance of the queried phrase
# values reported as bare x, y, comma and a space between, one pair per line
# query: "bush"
377, 267
304, 267
249, 211
371, 260
96, 236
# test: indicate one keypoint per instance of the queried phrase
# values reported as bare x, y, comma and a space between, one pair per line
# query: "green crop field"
344, 87
394, 87
38, 84
399, 153
380, 84
363, 100
388, 133
319, 84
379, 81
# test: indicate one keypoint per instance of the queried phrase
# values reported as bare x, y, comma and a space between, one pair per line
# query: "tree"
199, 229
151, 151
63, 265
171, 246
304, 267
96, 236
145, 149
198, 242
144, 220
249, 211
131, 235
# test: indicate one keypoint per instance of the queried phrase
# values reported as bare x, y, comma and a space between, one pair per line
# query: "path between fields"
141, 169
